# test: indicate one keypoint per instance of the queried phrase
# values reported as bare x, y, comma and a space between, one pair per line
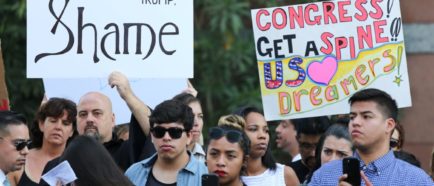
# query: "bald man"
95, 118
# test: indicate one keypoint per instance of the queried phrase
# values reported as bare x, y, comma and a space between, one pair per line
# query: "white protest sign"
313, 57
92, 38
150, 91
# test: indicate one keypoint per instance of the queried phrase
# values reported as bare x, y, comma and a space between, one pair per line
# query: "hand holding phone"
210, 180
351, 167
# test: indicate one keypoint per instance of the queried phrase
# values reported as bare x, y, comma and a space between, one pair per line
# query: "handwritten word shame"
113, 31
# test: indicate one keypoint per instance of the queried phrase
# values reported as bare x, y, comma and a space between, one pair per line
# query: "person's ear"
189, 137
41, 125
390, 126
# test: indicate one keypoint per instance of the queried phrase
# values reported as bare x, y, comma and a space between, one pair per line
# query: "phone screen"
351, 167
210, 180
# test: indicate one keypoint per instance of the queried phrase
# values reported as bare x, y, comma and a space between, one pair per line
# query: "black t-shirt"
300, 169
152, 181
124, 153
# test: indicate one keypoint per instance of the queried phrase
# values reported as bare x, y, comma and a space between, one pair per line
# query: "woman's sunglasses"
233, 136
393, 143
174, 132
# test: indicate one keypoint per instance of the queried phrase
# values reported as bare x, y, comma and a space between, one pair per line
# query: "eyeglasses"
233, 136
20, 144
393, 143
174, 132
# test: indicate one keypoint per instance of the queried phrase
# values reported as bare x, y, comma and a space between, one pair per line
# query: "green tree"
226, 73
25, 94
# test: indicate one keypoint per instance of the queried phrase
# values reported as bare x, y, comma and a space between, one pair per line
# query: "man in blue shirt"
373, 117
171, 124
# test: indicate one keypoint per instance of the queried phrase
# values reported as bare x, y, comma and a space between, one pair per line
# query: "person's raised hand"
120, 81
190, 89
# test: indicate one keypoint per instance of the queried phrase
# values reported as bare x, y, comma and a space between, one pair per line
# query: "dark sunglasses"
20, 144
394, 143
174, 132
233, 136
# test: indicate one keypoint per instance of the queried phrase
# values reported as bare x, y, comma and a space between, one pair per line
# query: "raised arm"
139, 109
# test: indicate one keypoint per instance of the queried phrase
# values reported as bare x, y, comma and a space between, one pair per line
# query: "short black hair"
312, 126
246, 110
172, 111
407, 157
54, 107
384, 101
186, 98
10, 118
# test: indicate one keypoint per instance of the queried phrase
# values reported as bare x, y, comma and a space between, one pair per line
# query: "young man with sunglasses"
171, 124
373, 117
14, 139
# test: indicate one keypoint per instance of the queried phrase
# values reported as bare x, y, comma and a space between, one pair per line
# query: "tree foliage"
226, 74
25, 94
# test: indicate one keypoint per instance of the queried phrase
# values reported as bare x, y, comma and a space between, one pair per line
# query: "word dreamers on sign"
112, 33
364, 73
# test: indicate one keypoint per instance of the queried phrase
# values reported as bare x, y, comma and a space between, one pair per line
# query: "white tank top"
267, 178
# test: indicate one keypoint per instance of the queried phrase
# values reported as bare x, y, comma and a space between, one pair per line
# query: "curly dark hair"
55, 108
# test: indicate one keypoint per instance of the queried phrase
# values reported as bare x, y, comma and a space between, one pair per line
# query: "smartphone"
351, 167
210, 180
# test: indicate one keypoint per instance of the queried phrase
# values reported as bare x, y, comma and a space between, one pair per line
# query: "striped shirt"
387, 170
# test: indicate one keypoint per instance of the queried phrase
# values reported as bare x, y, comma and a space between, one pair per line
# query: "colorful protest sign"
81, 38
150, 91
4, 98
313, 57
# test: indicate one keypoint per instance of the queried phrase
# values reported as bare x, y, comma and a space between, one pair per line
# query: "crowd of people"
164, 146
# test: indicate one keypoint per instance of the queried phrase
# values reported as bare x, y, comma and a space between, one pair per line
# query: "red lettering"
324, 38
328, 8
274, 18
365, 36
363, 13
258, 20
379, 12
342, 11
294, 16
340, 42
379, 30
309, 8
